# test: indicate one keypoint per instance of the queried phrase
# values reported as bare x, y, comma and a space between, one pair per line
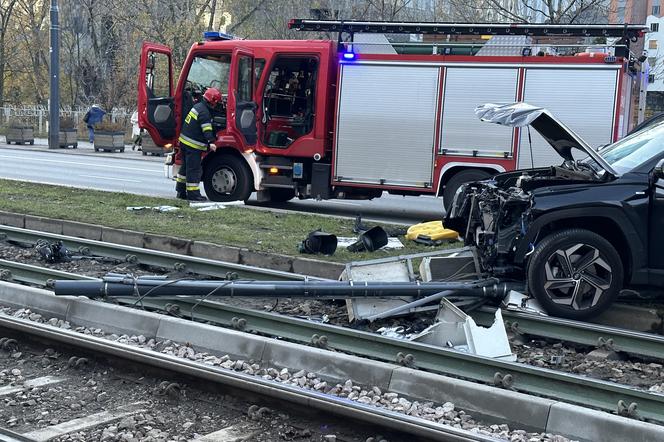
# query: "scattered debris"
460, 265
371, 240
160, 209
319, 242
212, 203
209, 207
395, 332
523, 303
205, 206
387, 269
52, 252
400, 268
431, 233
453, 328
392, 242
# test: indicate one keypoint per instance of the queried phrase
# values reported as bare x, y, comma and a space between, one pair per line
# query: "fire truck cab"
324, 119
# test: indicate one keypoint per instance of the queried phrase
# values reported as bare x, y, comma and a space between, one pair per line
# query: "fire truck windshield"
208, 71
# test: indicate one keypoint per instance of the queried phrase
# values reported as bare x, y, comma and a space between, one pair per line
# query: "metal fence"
38, 115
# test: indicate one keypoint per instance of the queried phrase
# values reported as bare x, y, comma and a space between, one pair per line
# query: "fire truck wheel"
227, 178
463, 177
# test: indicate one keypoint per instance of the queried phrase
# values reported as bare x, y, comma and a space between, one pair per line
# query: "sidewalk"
84, 148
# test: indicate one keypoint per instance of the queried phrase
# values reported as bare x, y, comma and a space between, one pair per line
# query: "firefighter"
196, 137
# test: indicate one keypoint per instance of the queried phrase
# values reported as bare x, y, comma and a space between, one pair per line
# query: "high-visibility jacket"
197, 130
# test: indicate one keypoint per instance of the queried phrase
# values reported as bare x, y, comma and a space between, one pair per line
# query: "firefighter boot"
181, 190
195, 195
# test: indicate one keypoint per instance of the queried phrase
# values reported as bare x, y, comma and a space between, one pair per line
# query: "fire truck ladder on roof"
625, 32
630, 32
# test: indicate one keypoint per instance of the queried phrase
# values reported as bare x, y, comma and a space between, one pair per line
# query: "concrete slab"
213, 339
122, 236
235, 433
83, 423
12, 219
591, 425
167, 244
40, 301
81, 230
113, 318
6, 390
313, 267
494, 404
266, 260
329, 365
43, 224
202, 249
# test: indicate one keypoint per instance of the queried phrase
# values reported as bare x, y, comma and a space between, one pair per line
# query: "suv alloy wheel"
575, 273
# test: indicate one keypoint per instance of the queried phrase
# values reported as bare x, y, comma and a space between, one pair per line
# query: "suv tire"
575, 273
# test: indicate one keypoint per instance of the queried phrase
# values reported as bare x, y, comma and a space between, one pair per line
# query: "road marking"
86, 422
31, 383
41, 160
234, 433
109, 178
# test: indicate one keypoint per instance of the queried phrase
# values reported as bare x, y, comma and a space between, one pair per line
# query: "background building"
654, 47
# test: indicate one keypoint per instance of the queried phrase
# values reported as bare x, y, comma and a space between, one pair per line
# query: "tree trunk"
2, 70
213, 10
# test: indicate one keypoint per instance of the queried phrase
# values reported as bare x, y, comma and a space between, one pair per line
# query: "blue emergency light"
217, 36
349, 55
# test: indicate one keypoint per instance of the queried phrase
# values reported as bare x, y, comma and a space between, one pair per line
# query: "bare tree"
528, 11
6, 13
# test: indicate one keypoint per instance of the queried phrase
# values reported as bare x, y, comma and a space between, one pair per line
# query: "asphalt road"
144, 175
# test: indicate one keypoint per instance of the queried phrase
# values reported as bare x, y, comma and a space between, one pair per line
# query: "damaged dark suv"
577, 233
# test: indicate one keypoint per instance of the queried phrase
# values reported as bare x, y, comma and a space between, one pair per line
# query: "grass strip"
238, 226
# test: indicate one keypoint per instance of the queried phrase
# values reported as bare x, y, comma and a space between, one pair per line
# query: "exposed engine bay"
494, 215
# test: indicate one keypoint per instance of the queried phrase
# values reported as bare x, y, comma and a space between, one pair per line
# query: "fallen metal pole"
145, 287
405, 308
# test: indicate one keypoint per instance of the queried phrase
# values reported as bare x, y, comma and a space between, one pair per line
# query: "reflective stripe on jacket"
197, 130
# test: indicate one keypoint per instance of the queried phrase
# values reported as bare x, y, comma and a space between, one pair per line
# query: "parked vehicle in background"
579, 232
325, 119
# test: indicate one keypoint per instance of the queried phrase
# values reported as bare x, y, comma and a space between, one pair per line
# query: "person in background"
135, 132
93, 116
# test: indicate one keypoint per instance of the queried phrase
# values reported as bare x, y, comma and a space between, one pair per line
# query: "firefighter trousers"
191, 171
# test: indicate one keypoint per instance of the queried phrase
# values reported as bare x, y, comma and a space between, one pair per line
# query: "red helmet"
212, 96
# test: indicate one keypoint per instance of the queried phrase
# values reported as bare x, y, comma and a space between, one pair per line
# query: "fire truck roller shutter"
386, 120
462, 133
583, 99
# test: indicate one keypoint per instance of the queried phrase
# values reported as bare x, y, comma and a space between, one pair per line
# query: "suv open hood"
559, 136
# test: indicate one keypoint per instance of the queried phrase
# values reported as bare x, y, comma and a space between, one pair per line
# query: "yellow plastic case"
431, 231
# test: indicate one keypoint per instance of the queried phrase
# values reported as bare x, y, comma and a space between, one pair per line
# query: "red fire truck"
343, 119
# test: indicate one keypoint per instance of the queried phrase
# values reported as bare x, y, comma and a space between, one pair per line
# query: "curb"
199, 249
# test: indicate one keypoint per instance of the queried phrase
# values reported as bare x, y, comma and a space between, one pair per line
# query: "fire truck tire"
227, 178
457, 180
281, 195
